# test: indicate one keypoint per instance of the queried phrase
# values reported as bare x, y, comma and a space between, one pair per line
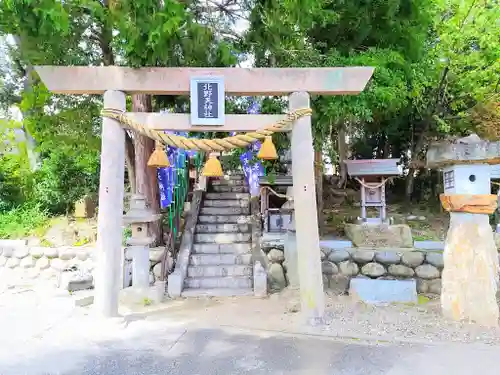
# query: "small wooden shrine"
373, 175
275, 210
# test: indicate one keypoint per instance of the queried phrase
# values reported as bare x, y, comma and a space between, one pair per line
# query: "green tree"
460, 72
92, 32
388, 35
434, 60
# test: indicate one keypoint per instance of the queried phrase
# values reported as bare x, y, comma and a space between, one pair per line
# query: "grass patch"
45, 243
424, 237
23, 221
82, 242
422, 300
126, 234
434, 226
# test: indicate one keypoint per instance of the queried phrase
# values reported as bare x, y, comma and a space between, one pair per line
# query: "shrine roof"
373, 167
444, 154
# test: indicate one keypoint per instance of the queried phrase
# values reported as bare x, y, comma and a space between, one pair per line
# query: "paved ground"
43, 335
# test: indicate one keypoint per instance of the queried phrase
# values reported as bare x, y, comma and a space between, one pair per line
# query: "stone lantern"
470, 274
139, 217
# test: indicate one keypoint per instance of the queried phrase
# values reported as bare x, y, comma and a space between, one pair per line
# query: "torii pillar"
114, 82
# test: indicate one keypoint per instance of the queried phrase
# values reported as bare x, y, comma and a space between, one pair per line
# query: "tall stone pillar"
290, 245
470, 274
109, 220
306, 218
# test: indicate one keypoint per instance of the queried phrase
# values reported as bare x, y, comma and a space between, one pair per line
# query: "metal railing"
180, 189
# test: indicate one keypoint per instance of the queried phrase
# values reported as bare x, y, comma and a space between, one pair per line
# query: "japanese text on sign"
449, 180
207, 101
208, 104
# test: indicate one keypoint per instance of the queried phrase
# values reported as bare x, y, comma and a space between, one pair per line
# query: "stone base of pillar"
470, 275
291, 259
259, 280
137, 297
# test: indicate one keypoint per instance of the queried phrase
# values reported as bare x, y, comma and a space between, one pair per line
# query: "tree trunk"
130, 161
409, 185
386, 147
146, 178
318, 174
342, 150
33, 156
105, 38
414, 165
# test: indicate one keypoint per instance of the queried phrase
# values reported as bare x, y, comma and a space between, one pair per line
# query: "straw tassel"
268, 150
212, 167
158, 158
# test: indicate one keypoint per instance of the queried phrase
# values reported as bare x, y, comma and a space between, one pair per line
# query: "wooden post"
306, 218
363, 200
110, 217
383, 208
263, 202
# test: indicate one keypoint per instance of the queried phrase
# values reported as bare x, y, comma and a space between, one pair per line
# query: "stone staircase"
220, 263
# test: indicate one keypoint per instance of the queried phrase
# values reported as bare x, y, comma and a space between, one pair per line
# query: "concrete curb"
380, 340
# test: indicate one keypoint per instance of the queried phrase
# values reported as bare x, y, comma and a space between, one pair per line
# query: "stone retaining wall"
340, 265
20, 263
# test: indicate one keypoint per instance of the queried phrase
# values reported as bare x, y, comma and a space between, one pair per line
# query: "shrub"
22, 221
16, 181
64, 179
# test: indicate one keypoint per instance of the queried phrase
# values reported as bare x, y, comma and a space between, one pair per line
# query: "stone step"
215, 248
224, 219
223, 182
217, 292
235, 176
225, 210
218, 282
222, 237
220, 259
224, 196
220, 271
222, 228
231, 189
227, 203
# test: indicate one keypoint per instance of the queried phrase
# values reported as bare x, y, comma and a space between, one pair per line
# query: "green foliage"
82, 242
67, 172
127, 233
89, 32
22, 221
437, 64
15, 174
15, 183
153, 33
387, 35
62, 180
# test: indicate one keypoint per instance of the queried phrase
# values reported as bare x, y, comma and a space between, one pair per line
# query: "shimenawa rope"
290, 198
370, 186
222, 144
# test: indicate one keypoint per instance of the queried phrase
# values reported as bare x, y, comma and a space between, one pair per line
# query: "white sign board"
207, 100
449, 180
495, 172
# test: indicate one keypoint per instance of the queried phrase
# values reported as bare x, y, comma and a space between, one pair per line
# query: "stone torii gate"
116, 82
